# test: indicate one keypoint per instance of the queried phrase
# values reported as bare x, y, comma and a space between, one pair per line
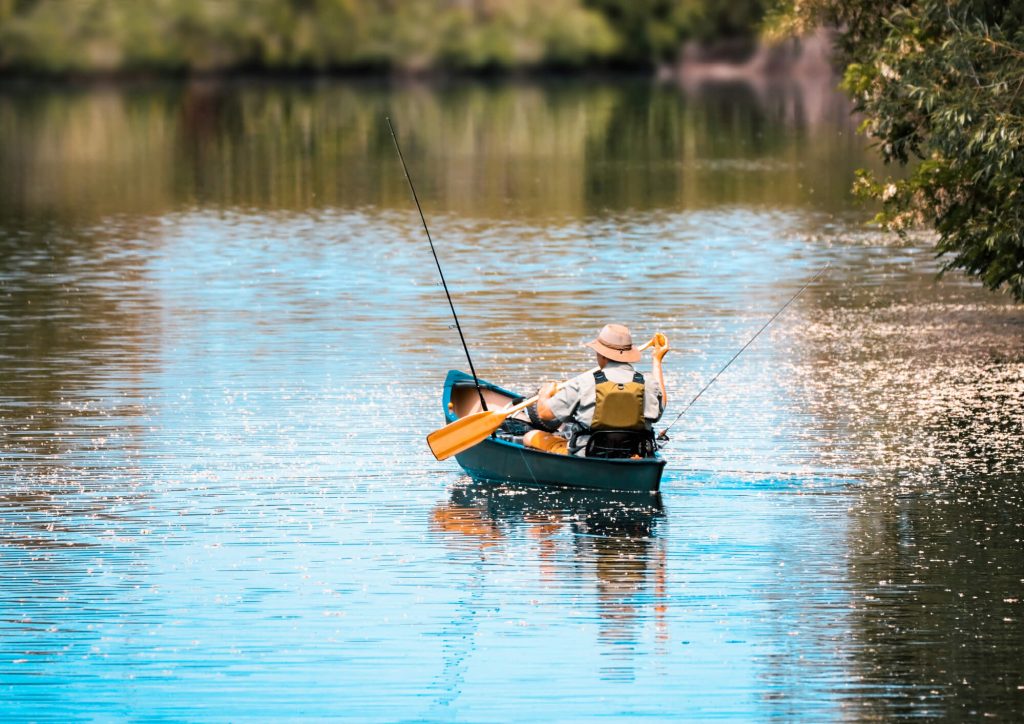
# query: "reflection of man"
616, 400
578, 539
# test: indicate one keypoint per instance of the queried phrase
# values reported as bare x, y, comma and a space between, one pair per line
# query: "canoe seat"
621, 444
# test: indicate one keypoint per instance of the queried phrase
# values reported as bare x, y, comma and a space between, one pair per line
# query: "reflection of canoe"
493, 507
578, 541
501, 460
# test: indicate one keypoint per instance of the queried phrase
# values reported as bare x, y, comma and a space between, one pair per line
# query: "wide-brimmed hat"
616, 343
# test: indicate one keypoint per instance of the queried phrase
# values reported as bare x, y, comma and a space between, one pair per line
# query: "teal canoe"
499, 460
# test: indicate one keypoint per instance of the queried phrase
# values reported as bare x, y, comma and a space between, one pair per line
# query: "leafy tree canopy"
941, 86
113, 36
652, 31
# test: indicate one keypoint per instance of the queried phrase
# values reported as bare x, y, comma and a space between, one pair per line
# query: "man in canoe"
606, 413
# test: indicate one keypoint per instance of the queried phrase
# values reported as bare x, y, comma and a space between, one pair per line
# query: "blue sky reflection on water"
270, 540
216, 502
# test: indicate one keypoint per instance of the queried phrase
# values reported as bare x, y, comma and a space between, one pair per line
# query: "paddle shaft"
476, 380
663, 435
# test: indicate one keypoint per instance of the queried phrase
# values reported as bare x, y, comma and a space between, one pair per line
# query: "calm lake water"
222, 342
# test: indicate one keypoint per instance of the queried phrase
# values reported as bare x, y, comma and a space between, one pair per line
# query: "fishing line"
663, 435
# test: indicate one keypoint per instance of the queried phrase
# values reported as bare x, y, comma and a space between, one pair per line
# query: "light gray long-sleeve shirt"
574, 403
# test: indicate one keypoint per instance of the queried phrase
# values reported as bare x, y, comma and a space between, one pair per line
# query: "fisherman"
607, 413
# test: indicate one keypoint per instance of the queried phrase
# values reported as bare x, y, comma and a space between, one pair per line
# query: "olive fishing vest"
619, 405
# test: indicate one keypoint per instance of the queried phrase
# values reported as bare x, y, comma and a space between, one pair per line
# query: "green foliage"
90, 36
653, 30
733, 19
941, 86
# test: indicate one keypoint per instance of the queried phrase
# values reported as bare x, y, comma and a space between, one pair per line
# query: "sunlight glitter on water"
216, 502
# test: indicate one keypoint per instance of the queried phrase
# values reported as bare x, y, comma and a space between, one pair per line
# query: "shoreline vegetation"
109, 39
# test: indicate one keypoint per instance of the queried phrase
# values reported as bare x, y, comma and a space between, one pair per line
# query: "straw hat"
616, 343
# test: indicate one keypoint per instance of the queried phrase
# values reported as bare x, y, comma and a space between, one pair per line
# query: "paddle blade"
464, 433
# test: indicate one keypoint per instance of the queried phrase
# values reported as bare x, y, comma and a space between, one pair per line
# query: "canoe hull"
503, 461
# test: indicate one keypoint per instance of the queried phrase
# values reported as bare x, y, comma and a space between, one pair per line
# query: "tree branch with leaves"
941, 86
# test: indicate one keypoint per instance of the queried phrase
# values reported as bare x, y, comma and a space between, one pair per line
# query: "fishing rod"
476, 380
663, 435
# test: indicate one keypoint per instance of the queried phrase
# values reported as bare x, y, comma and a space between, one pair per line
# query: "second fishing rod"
663, 435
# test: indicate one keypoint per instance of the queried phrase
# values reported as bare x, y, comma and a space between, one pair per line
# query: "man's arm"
659, 353
544, 411
558, 406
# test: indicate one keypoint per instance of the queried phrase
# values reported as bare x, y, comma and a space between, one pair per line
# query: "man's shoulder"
580, 380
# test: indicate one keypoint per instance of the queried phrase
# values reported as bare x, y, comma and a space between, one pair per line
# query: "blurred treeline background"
67, 37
